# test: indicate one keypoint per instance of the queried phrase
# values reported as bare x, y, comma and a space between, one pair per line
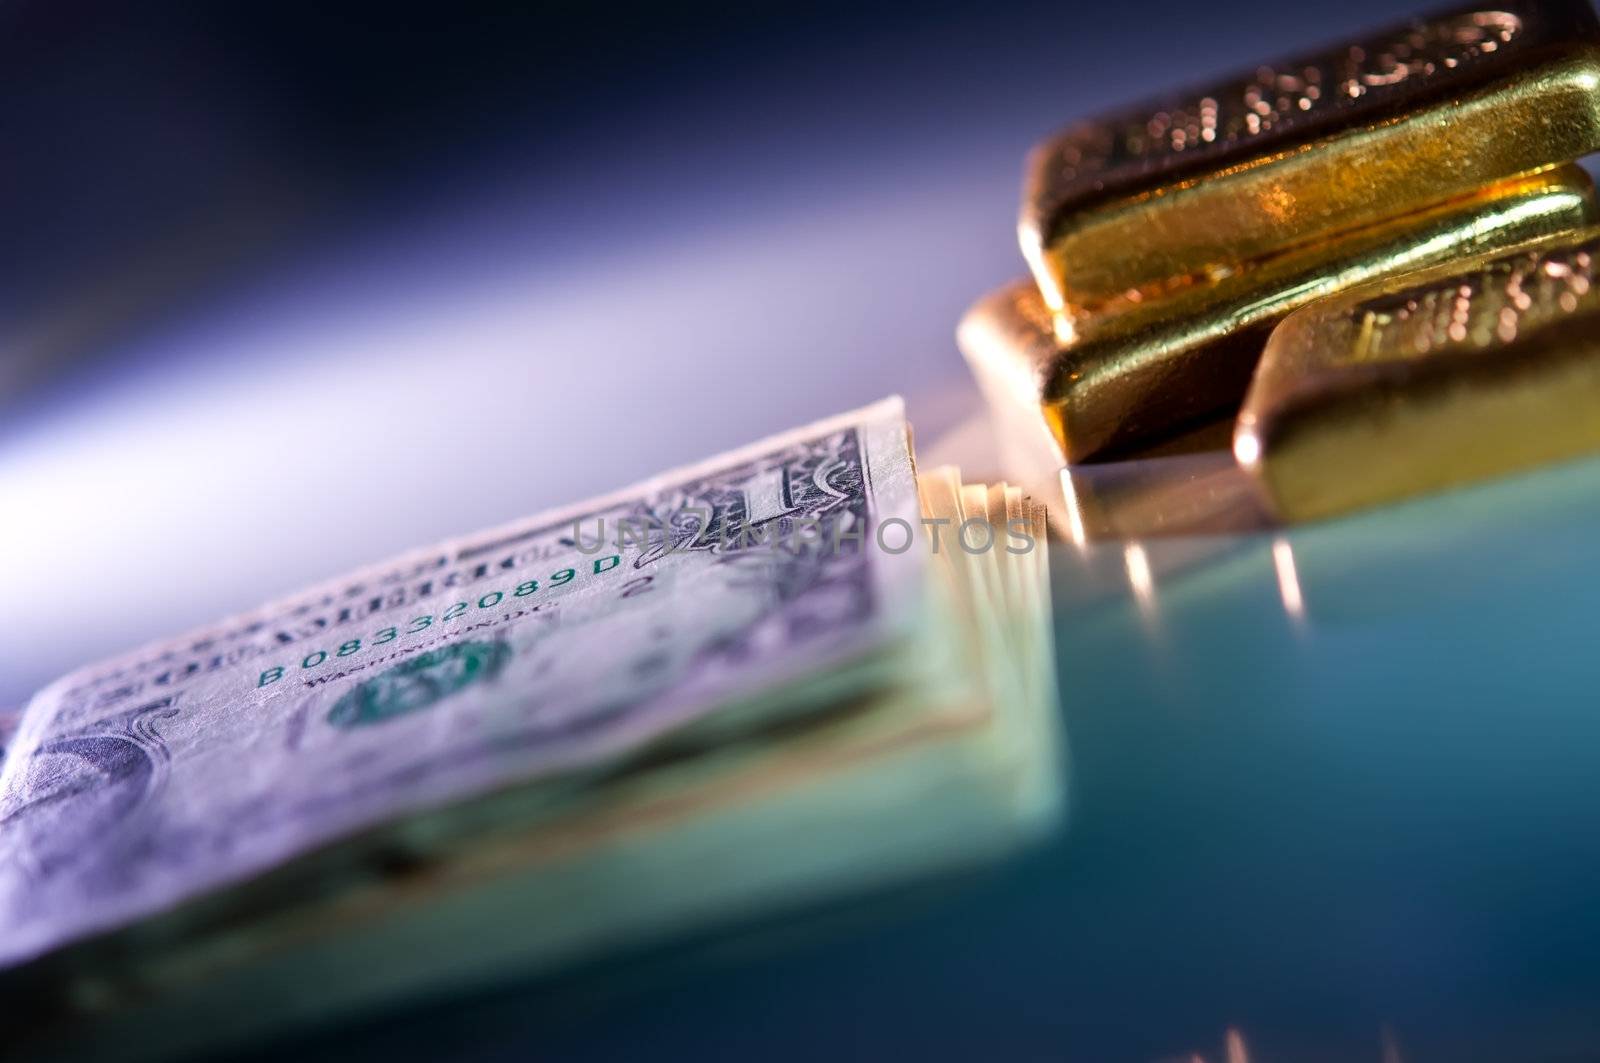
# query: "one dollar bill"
527, 741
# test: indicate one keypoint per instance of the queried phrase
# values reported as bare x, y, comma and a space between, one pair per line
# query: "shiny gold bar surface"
1193, 185
1447, 377
1140, 371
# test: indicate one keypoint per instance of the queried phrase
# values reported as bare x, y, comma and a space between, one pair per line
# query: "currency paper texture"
529, 652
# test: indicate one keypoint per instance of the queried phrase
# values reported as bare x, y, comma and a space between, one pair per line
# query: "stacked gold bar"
1170, 240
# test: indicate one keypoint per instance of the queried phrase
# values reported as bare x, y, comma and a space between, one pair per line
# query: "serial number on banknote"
492, 600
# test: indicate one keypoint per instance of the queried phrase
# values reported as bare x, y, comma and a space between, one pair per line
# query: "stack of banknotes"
794, 669
1365, 271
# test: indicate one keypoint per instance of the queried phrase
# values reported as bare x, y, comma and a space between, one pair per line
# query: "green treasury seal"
419, 683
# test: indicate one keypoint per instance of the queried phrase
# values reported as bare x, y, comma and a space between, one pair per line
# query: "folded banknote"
793, 669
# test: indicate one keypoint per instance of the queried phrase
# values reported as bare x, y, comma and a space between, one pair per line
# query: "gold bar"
1195, 185
1139, 371
1439, 379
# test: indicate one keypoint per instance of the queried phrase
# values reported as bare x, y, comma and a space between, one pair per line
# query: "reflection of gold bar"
1437, 379
1196, 184
1137, 373
1181, 494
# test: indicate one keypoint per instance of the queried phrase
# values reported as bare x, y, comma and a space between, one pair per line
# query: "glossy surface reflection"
1364, 832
